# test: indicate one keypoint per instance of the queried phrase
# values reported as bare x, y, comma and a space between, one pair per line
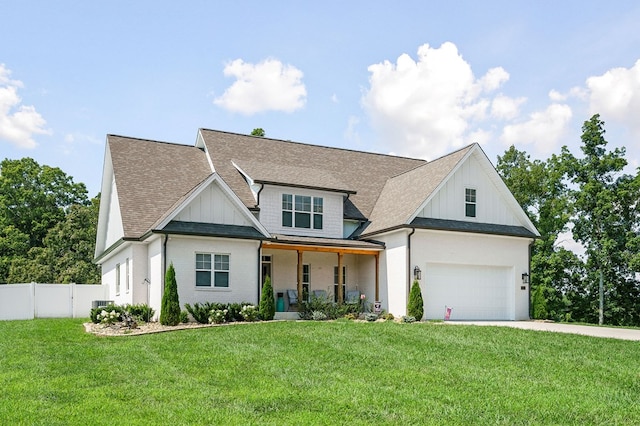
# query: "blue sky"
416, 78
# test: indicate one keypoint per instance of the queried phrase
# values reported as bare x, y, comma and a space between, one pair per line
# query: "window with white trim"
302, 211
306, 281
335, 282
470, 202
118, 279
127, 281
212, 270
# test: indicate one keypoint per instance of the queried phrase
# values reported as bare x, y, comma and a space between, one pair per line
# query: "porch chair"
292, 295
320, 294
352, 297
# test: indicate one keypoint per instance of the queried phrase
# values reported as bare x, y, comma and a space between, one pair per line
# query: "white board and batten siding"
271, 211
449, 201
212, 205
114, 230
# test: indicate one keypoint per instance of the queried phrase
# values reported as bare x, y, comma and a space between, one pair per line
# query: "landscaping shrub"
184, 317
539, 303
370, 316
200, 312
234, 311
416, 304
170, 308
408, 319
95, 312
388, 316
318, 316
218, 316
267, 301
141, 312
326, 306
250, 313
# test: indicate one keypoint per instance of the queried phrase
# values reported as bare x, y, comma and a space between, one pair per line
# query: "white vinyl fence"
28, 301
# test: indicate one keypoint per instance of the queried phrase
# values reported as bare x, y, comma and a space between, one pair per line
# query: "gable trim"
227, 191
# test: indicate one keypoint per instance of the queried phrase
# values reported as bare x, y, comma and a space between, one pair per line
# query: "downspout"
164, 259
413, 231
259, 269
258, 197
530, 277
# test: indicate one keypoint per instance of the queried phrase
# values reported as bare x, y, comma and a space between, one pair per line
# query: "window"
127, 281
335, 282
210, 274
118, 279
306, 280
470, 202
302, 211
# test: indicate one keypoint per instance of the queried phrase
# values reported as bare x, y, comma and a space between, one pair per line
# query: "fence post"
33, 299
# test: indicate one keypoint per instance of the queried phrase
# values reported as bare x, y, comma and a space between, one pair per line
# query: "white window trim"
293, 211
117, 279
127, 276
212, 271
475, 203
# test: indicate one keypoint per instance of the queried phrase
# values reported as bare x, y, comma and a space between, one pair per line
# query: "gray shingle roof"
151, 177
481, 228
362, 172
212, 230
404, 193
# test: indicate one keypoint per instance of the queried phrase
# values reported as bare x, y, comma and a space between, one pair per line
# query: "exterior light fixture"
525, 278
417, 273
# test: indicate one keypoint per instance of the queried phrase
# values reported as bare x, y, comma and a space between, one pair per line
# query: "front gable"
213, 203
110, 227
474, 192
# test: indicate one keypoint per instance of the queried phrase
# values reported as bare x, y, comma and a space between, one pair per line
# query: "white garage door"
473, 292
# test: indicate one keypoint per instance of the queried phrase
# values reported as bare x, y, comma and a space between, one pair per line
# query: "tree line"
47, 225
592, 197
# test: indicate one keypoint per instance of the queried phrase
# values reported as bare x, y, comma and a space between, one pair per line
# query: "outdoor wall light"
525, 278
417, 273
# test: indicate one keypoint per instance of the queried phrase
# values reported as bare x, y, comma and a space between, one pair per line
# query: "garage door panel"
472, 291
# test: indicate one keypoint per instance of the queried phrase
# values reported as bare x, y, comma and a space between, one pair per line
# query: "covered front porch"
336, 269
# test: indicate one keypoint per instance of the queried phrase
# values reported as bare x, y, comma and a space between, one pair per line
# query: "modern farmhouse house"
235, 208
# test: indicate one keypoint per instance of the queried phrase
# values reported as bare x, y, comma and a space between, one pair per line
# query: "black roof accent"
481, 228
212, 230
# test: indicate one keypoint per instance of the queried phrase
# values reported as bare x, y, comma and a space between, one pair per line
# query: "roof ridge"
149, 140
442, 157
315, 145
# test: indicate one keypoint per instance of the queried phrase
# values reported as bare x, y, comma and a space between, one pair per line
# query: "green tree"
14, 244
267, 301
416, 304
34, 198
170, 308
258, 132
606, 223
540, 187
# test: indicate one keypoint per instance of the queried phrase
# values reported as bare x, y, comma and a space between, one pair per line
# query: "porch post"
377, 276
340, 279
300, 295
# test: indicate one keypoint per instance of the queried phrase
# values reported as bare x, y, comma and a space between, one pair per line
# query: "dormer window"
302, 211
470, 202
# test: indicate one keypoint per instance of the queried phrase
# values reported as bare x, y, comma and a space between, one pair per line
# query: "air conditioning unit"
101, 303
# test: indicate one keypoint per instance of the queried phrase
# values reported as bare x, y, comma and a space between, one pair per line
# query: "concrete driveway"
586, 330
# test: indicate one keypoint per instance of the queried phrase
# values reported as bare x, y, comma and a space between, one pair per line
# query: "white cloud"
506, 108
267, 86
351, 133
334, 99
18, 123
544, 129
616, 95
425, 108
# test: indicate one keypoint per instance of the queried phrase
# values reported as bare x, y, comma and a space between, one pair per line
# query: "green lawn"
52, 372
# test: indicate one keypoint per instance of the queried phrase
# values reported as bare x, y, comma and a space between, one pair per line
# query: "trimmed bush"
141, 312
267, 301
250, 313
408, 319
96, 316
200, 312
539, 303
170, 309
416, 304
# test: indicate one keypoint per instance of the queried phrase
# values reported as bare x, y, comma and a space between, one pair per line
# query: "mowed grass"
293, 373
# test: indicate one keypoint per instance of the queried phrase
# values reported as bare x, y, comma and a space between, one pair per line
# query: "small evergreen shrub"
370, 316
388, 316
267, 301
416, 304
200, 311
141, 312
539, 303
184, 317
170, 308
235, 311
408, 319
250, 313
351, 316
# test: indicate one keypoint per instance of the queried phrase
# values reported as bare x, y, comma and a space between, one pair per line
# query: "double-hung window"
470, 202
212, 270
302, 211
